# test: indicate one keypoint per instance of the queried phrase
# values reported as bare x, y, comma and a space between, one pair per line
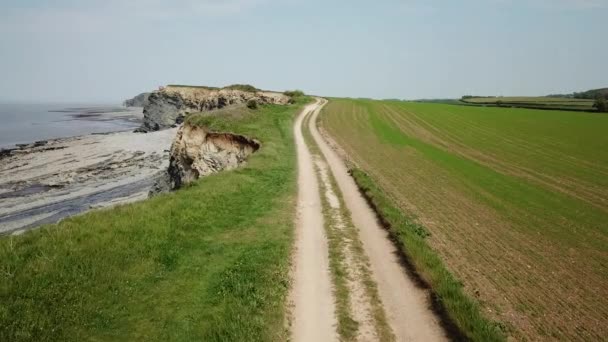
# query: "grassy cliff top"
209, 262
241, 87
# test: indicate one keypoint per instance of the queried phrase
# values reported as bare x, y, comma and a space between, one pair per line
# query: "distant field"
535, 102
516, 201
209, 262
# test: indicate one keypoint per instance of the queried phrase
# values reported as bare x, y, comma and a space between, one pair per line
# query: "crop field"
515, 200
535, 102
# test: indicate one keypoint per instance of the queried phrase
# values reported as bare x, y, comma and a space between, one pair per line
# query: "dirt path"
313, 314
398, 302
406, 305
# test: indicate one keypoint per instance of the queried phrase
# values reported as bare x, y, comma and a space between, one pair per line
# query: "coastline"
26, 123
46, 181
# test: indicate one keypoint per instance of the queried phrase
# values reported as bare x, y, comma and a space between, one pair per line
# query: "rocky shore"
46, 181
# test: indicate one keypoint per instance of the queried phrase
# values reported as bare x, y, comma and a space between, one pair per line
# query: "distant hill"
583, 101
592, 94
442, 101
553, 103
588, 95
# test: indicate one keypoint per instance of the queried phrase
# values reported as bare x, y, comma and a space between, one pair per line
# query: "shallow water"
26, 123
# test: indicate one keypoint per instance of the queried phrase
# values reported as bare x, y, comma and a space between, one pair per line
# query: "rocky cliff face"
140, 100
196, 152
169, 106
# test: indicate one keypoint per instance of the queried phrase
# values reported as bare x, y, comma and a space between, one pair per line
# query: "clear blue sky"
108, 50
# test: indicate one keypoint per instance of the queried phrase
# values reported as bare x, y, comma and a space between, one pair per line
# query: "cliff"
197, 152
140, 100
169, 105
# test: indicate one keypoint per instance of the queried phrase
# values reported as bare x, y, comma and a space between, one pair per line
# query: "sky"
107, 50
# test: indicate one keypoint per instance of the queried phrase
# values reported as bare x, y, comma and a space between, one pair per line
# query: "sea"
23, 123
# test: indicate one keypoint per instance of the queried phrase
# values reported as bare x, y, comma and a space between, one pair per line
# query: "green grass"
242, 87
293, 93
347, 325
515, 202
208, 262
192, 86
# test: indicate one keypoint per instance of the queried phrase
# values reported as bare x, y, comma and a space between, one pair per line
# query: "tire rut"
407, 306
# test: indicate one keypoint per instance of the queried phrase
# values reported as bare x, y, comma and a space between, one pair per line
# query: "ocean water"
26, 123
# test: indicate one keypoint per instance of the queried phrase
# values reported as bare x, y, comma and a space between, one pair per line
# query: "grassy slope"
208, 262
515, 199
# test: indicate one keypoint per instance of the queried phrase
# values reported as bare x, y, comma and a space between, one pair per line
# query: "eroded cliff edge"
198, 152
169, 105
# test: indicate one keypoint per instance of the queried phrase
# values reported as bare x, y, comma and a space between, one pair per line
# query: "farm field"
535, 102
516, 201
